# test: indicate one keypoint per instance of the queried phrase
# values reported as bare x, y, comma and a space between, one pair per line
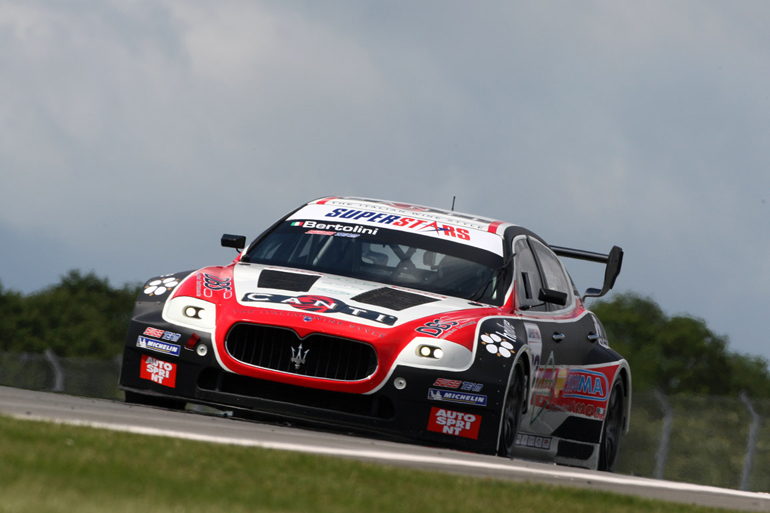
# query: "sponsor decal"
168, 336
171, 336
158, 371
346, 229
471, 387
495, 344
579, 408
545, 388
160, 286
157, 345
206, 284
508, 331
436, 327
535, 342
535, 441
452, 396
405, 222
212, 282
574, 391
452, 226
320, 304
454, 423
447, 383
310, 318
586, 384
153, 332
461, 219
500, 341
456, 383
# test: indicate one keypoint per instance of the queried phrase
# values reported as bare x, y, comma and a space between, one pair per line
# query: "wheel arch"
523, 360
624, 374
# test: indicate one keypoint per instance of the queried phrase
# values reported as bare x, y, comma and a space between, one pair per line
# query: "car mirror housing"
553, 296
233, 241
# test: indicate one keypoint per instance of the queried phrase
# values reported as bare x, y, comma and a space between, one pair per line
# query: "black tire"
613, 428
153, 400
512, 412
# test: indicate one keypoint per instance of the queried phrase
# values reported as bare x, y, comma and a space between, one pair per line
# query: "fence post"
58, 373
665, 435
751, 446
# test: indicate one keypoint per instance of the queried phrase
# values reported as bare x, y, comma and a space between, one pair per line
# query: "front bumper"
404, 413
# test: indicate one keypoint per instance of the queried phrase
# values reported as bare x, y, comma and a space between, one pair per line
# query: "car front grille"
316, 356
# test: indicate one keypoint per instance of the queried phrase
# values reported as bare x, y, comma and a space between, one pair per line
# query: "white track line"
447, 461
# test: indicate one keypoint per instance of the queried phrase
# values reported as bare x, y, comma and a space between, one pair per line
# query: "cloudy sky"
134, 133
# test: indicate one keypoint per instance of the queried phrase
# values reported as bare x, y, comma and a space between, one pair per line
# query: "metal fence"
86, 377
718, 441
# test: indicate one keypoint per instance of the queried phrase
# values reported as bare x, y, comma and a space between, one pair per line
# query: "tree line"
83, 315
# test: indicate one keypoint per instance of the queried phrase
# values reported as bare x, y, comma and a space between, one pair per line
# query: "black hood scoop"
286, 281
392, 298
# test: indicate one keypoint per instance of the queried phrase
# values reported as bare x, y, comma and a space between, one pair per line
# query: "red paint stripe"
323, 201
493, 226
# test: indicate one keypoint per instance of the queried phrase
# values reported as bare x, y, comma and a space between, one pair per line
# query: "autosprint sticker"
453, 396
158, 371
158, 346
454, 423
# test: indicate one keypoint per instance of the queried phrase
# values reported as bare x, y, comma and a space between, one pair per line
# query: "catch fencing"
717, 441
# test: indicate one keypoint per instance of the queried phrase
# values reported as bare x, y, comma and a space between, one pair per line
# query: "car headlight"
191, 312
430, 353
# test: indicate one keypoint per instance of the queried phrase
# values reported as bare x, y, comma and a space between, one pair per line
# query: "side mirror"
233, 241
553, 296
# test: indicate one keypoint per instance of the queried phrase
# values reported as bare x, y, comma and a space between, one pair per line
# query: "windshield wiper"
497, 274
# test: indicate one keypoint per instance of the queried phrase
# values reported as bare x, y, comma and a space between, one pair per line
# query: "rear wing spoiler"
613, 262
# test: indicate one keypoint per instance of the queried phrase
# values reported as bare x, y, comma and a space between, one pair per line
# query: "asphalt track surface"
26, 404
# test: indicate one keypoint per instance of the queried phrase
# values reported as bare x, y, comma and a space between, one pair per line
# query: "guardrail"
717, 441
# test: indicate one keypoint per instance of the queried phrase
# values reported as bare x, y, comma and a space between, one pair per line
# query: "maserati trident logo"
298, 358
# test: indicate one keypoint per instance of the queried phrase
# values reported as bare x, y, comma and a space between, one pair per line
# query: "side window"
553, 272
528, 281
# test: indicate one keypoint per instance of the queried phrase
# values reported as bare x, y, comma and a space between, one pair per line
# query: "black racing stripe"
393, 299
286, 281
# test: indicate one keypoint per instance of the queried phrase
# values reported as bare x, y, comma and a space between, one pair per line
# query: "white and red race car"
409, 322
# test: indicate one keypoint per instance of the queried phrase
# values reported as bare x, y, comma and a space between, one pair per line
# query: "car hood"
359, 301
386, 317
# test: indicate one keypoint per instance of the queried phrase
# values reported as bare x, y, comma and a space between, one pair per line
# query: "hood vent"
392, 298
286, 281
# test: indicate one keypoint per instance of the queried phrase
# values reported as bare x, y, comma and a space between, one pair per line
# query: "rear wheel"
613, 429
512, 411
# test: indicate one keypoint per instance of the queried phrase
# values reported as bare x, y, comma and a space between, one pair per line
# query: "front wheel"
613, 429
512, 411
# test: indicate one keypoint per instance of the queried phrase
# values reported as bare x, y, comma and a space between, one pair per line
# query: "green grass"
46, 467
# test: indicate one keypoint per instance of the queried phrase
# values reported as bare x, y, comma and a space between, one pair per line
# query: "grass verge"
46, 467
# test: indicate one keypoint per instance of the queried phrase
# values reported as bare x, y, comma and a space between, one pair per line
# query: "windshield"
385, 256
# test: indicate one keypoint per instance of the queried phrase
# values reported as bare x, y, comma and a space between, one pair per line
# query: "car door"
559, 335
